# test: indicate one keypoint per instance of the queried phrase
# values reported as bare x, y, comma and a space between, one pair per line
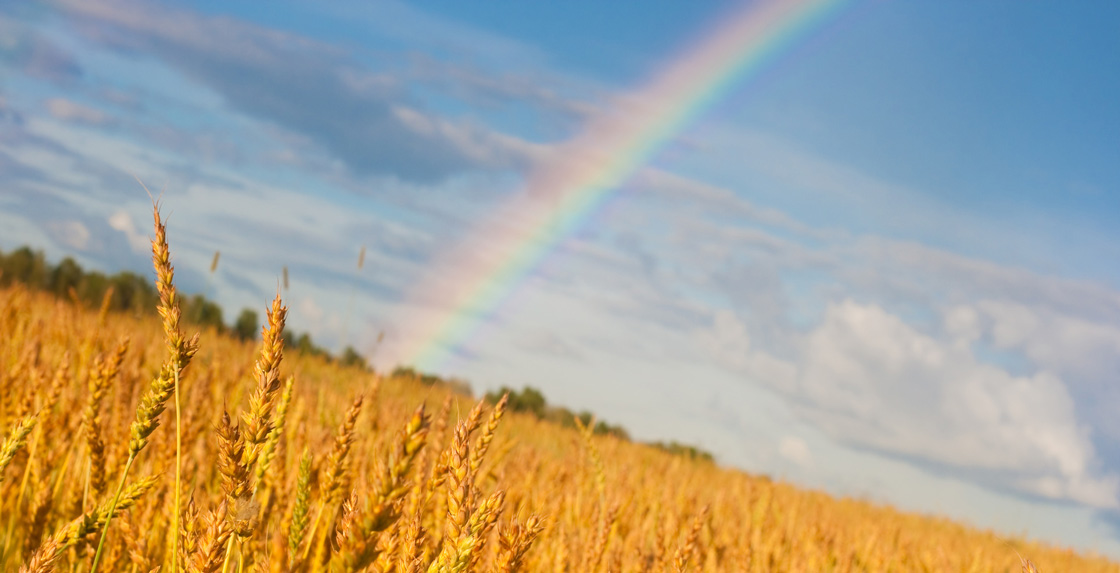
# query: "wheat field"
134, 444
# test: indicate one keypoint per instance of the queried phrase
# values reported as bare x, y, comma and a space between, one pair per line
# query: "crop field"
132, 443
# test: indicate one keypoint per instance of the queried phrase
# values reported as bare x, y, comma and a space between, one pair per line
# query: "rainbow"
571, 181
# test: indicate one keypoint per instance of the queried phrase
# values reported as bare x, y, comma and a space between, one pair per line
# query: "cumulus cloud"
868, 378
728, 342
122, 221
962, 324
728, 339
1070, 344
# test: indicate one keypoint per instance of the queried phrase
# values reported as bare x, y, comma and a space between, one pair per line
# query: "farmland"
131, 443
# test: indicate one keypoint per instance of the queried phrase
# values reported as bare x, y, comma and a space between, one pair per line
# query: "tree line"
128, 292
532, 401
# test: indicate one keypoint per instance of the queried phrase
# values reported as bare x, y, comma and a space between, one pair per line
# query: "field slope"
289, 462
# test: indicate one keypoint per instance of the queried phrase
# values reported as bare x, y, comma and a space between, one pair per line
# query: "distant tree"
25, 266
202, 312
93, 287
67, 275
458, 386
247, 324
128, 291
615, 430
531, 401
528, 400
567, 418
133, 293
684, 450
352, 358
585, 418
403, 372
305, 344
560, 415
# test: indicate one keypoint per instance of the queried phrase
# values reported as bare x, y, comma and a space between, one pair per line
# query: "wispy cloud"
68, 110
368, 120
33, 54
510, 89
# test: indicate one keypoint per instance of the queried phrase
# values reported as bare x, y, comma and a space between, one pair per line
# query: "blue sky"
885, 266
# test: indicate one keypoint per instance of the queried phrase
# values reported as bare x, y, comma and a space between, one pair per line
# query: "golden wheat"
289, 462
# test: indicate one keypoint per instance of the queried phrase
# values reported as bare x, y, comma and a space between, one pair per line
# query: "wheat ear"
514, 543
180, 352
16, 440
257, 421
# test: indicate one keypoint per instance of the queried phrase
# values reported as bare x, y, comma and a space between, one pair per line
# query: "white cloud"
311, 311
962, 323
728, 340
482, 145
795, 450
549, 343
1012, 324
1069, 344
71, 233
262, 73
728, 343
925, 271
866, 377
68, 110
713, 199
122, 221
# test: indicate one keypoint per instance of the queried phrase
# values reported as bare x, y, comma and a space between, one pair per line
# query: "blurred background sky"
886, 265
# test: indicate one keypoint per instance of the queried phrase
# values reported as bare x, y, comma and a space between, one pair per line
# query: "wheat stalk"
167, 381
